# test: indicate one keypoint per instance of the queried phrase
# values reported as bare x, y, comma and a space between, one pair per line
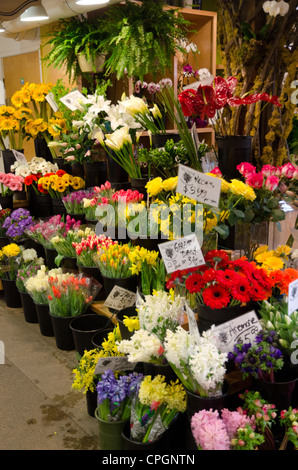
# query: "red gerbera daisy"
216, 297
226, 277
209, 275
194, 283
241, 290
257, 292
218, 257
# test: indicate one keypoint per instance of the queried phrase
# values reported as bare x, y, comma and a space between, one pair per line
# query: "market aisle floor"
39, 410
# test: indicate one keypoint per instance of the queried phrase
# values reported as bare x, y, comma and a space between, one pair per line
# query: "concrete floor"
38, 408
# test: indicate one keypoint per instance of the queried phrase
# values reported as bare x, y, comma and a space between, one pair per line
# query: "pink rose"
245, 168
272, 182
278, 171
216, 171
268, 170
288, 170
295, 175
255, 180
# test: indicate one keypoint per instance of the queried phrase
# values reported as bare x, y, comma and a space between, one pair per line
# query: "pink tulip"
272, 182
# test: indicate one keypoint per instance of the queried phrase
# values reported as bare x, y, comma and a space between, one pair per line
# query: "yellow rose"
170, 184
154, 186
241, 189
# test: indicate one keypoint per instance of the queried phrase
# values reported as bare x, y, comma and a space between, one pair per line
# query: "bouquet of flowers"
33, 170
151, 269
263, 412
115, 394
87, 247
214, 101
12, 126
155, 407
72, 296
225, 430
64, 239
9, 261
274, 316
42, 231
24, 273
143, 346
84, 374
289, 419
113, 260
4, 213
9, 183
17, 223
224, 283
198, 363
272, 260
59, 184
73, 202
261, 359
160, 312
38, 285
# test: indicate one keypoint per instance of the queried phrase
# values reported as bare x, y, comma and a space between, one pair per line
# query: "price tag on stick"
183, 253
199, 186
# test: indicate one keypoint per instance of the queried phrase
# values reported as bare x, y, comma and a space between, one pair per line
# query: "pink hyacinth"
209, 431
233, 420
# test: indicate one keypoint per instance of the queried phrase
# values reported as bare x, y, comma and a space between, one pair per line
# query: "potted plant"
74, 37
141, 38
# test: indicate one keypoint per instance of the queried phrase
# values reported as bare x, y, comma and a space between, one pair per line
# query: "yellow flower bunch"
85, 378
11, 250
158, 185
156, 389
272, 260
141, 255
113, 260
241, 189
60, 184
131, 323
33, 127
12, 125
35, 92
57, 126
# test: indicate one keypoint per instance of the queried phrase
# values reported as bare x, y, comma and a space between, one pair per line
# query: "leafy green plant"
142, 38
70, 37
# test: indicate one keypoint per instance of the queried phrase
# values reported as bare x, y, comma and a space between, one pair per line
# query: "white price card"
113, 363
293, 297
20, 157
199, 186
120, 298
51, 100
242, 329
183, 253
74, 100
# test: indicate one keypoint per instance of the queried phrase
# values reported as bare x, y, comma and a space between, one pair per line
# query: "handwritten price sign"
120, 298
242, 329
199, 186
183, 253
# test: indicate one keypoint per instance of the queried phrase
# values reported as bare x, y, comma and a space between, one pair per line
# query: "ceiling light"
91, 2
2, 30
34, 14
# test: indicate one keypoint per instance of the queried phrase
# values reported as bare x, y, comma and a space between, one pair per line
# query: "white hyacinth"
158, 312
141, 347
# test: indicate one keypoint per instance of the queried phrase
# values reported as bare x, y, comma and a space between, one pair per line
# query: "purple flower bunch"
114, 395
73, 202
16, 224
24, 274
261, 359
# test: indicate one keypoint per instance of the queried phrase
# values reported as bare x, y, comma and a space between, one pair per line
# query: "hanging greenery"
259, 47
142, 38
